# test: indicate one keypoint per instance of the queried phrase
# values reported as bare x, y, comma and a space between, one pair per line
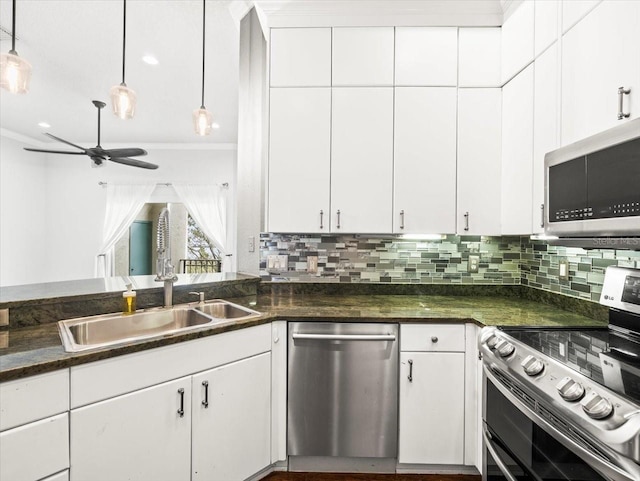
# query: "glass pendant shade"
123, 101
15, 73
202, 120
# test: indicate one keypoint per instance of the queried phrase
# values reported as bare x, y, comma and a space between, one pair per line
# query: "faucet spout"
165, 270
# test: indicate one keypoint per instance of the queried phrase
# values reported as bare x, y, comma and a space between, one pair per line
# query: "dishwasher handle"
345, 337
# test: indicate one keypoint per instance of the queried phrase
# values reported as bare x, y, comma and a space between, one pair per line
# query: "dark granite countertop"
38, 349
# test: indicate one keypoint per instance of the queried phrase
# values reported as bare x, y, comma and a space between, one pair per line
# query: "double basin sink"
112, 329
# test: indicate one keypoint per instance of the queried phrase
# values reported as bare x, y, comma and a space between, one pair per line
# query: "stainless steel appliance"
343, 389
564, 404
592, 188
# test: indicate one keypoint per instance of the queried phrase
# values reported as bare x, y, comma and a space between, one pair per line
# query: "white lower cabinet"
231, 414
432, 395
137, 436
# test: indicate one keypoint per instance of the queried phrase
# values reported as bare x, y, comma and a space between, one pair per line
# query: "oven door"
519, 445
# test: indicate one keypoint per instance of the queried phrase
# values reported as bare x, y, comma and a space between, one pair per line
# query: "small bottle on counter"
129, 300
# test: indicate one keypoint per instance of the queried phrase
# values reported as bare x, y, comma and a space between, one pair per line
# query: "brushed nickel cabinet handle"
181, 410
621, 93
410, 376
541, 215
321, 219
466, 221
338, 219
402, 219
205, 403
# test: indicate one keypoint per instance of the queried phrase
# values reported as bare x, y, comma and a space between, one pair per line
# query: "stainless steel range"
564, 404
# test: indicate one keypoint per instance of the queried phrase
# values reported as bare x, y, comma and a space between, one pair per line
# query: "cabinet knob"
434, 338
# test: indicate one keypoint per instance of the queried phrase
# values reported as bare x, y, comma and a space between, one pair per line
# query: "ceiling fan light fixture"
202, 121
15, 72
123, 101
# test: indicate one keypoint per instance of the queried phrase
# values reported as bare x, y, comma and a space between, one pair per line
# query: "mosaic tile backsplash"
393, 259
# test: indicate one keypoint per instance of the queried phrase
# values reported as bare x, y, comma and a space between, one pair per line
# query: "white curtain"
207, 204
123, 204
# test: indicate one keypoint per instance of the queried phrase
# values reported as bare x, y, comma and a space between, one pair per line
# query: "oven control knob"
490, 339
504, 348
532, 366
570, 390
596, 406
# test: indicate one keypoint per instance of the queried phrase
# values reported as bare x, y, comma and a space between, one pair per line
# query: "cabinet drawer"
35, 450
432, 337
26, 400
112, 377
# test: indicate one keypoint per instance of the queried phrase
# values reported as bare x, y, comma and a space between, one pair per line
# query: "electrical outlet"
278, 262
252, 244
563, 270
474, 264
312, 264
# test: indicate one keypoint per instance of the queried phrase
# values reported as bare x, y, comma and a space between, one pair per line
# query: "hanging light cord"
124, 38
13, 30
203, 33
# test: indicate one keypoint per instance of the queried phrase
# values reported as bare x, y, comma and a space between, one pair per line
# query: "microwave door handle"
488, 442
619, 467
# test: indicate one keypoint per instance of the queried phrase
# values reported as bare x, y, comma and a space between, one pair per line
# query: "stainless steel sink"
113, 329
220, 309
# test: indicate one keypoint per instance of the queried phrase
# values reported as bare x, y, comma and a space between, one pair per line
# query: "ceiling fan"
98, 154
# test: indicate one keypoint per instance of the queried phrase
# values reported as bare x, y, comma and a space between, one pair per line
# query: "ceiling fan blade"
132, 152
64, 141
133, 162
54, 151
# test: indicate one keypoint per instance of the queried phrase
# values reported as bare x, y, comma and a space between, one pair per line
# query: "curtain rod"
165, 184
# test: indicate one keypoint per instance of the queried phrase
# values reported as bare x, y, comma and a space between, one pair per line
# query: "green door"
140, 248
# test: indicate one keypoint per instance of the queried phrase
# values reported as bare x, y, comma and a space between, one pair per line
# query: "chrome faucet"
165, 270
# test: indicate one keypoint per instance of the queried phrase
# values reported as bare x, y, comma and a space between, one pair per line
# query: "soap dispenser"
129, 300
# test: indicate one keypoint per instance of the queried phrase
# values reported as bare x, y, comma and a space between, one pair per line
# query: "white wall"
22, 214
62, 194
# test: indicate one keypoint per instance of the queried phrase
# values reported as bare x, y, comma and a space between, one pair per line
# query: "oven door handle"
623, 470
488, 443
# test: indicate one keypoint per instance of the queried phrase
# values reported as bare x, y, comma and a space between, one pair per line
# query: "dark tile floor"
286, 476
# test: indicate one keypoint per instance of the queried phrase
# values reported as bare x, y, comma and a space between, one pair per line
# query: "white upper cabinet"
574, 10
300, 57
426, 56
479, 57
600, 54
299, 159
545, 125
518, 40
362, 56
424, 160
517, 153
362, 159
546, 24
479, 145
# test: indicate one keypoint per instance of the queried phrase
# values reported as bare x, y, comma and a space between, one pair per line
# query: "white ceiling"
75, 48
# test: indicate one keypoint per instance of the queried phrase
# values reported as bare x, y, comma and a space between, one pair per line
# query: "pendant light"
15, 72
202, 118
123, 99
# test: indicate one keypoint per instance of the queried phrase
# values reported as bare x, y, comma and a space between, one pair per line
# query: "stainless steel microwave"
592, 187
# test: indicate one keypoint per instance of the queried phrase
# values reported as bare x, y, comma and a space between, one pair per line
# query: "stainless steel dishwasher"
343, 389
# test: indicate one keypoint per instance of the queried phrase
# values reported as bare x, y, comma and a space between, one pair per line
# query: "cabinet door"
299, 159
479, 144
232, 434
137, 436
426, 56
362, 160
300, 57
517, 153
431, 408
599, 55
362, 56
479, 57
517, 40
545, 125
424, 160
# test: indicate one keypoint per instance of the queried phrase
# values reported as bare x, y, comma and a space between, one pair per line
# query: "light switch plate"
312, 264
563, 270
